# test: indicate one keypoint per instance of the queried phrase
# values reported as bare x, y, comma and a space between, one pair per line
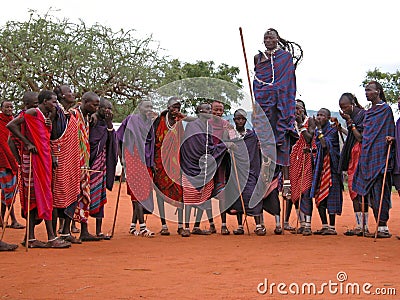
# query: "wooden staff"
383, 190
29, 203
90, 170
240, 192
339, 127
247, 67
5, 221
116, 205
363, 215
301, 187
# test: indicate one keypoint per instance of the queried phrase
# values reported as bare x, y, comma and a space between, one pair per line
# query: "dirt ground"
207, 267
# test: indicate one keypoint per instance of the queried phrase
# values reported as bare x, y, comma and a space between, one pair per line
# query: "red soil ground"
207, 267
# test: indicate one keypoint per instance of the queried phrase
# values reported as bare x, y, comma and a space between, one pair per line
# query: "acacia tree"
389, 81
45, 52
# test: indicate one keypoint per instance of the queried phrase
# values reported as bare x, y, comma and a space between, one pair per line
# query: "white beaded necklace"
272, 53
169, 126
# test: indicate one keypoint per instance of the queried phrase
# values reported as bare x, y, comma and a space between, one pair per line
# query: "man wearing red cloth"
8, 166
33, 129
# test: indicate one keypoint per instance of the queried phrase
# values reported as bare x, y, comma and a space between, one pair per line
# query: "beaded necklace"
169, 126
272, 53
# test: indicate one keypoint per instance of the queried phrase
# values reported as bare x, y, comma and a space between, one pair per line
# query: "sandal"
329, 231
287, 227
7, 247
352, 232
185, 232
103, 236
89, 238
225, 231
164, 231
278, 230
366, 231
307, 231
298, 231
380, 235
71, 239
212, 229
35, 244
146, 233
320, 231
16, 226
260, 231
198, 231
58, 243
239, 231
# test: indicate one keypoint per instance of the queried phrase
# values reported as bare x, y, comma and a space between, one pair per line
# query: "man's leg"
260, 229
186, 231
85, 235
240, 230
180, 220
132, 228
74, 229
322, 214
209, 213
161, 210
286, 225
54, 219
144, 231
224, 229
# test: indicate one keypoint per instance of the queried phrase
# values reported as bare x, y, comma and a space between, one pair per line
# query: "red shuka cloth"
39, 134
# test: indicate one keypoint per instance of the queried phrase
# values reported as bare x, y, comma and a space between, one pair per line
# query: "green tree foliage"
200, 81
46, 51
389, 81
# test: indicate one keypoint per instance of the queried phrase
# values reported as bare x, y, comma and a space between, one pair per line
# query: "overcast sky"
341, 40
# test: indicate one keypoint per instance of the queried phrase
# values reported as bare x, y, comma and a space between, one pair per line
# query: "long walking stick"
247, 67
363, 215
382, 192
301, 189
29, 203
240, 192
7, 216
116, 205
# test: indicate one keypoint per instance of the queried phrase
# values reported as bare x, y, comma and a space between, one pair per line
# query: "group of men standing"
67, 154
62, 157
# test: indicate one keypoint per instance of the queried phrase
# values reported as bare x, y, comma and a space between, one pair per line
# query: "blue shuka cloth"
248, 166
277, 100
335, 196
378, 124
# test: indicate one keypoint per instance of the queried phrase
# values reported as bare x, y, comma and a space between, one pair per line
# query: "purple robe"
378, 124
248, 166
277, 99
193, 150
335, 196
100, 138
138, 139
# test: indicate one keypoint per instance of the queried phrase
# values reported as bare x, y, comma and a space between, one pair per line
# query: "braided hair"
292, 47
352, 99
380, 89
